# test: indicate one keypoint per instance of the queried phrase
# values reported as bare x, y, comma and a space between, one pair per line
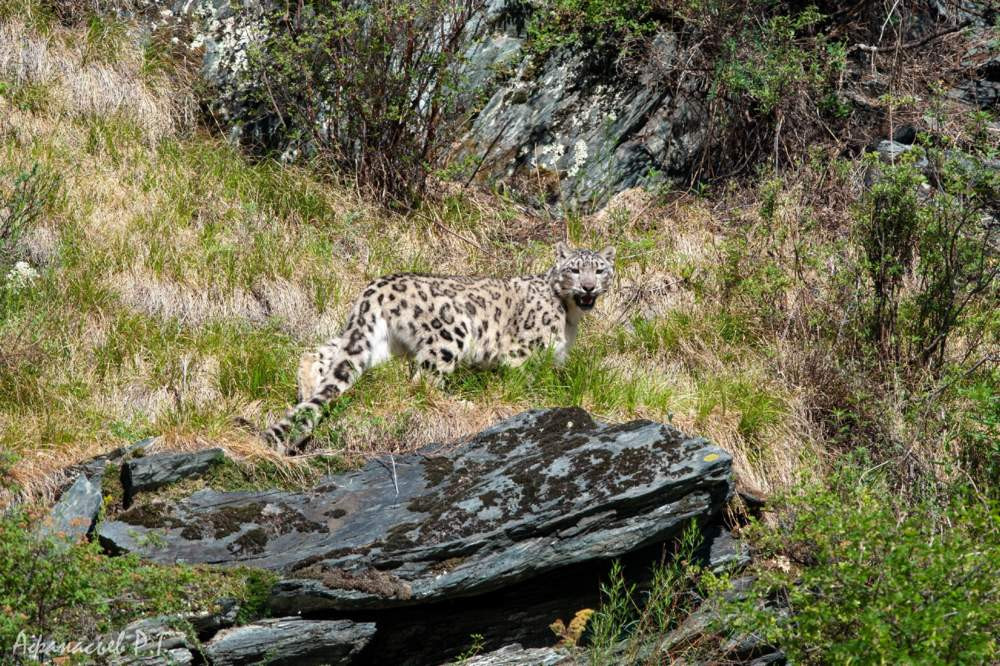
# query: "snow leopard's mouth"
585, 301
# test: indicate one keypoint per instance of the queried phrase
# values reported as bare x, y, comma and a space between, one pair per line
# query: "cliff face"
562, 129
568, 127
558, 128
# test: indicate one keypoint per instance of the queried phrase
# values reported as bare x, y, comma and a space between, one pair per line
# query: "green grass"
876, 578
584, 380
756, 407
63, 593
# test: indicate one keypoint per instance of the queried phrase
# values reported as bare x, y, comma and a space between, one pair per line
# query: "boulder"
582, 134
289, 640
538, 492
74, 514
153, 641
221, 617
158, 470
515, 655
721, 551
166, 657
523, 517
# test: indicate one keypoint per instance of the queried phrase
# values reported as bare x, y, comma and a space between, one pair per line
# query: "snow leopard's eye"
599, 271
574, 271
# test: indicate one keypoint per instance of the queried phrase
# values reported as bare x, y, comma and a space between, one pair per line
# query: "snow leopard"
439, 322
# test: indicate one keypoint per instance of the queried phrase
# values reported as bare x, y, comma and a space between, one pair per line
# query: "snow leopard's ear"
608, 254
562, 251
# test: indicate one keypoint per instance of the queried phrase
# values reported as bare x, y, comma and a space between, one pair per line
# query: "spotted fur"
439, 322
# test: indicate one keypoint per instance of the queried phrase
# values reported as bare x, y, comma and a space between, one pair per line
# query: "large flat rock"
290, 641
541, 491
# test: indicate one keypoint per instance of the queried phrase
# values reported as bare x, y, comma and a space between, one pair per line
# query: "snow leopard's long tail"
333, 369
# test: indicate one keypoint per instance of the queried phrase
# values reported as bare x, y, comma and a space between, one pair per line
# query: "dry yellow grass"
173, 263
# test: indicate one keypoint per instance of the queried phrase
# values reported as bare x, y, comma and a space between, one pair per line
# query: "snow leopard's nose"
589, 287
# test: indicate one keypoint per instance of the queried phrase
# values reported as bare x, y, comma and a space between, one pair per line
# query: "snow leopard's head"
582, 275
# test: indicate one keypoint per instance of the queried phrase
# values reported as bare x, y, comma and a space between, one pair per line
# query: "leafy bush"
768, 60
869, 577
597, 27
369, 87
64, 593
940, 244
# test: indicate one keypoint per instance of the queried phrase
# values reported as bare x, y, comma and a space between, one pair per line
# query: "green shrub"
65, 593
869, 577
598, 28
768, 60
940, 245
370, 88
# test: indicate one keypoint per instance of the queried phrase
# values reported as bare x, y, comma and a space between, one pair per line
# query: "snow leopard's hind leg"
319, 383
325, 374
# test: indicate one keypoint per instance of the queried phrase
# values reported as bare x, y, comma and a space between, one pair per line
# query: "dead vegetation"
178, 282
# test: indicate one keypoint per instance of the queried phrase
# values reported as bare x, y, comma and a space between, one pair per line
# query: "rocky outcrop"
155, 471
573, 135
982, 87
73, 516
556, 127
290, 641
541, 491
525, 516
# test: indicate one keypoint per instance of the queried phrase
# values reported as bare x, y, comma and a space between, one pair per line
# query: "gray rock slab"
543, 490
152, 641
583, 136
171, 657
221, 617
158, 470
289, 640
722, 551
74, 514
515, 655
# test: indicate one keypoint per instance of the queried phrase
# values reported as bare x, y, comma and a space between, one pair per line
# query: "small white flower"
21, 275
166, 13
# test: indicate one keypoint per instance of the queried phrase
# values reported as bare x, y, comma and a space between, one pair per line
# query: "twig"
395, 482
485, 154
441, 225
909, 45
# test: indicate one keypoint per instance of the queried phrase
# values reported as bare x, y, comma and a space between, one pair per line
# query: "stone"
72, 518
290, 641
515, 655
541, 491
890, 151
221, 617
721, 551
573, 136
171, 657
94, 468
155, 471
153, 641
525, 516
981, 88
